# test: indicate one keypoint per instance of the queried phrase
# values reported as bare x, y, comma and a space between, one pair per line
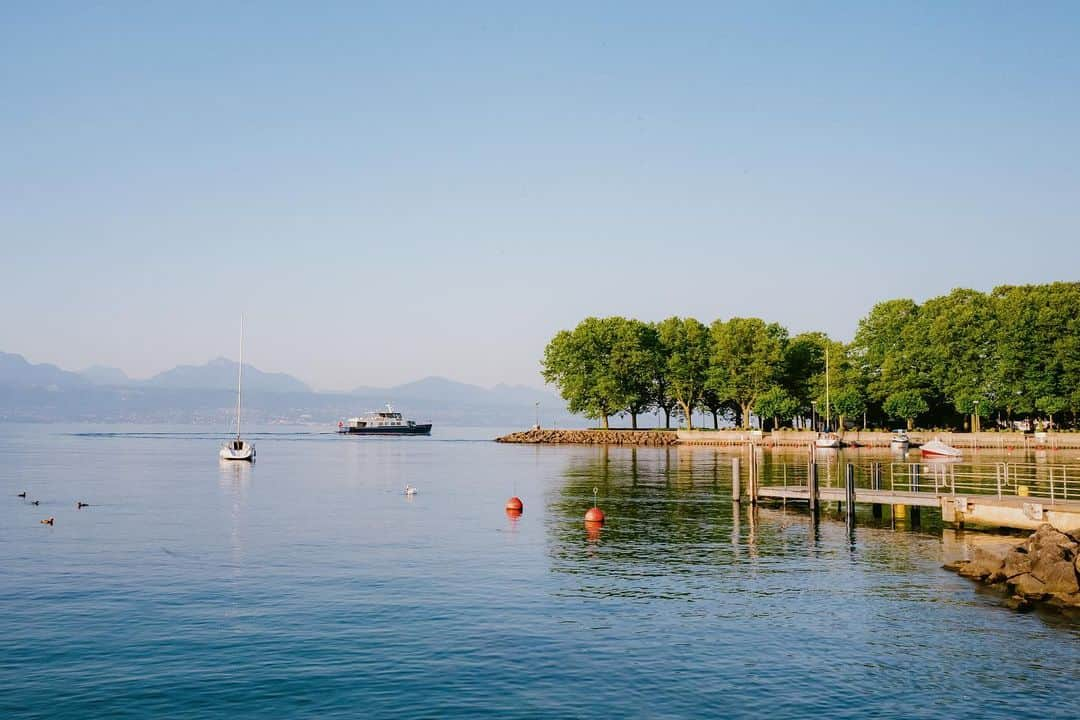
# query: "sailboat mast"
828, 427
240, 377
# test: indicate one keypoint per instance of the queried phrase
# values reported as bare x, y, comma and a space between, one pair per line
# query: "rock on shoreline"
592, 437
1043, 568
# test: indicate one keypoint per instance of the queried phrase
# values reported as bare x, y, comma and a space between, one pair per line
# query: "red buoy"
594, 515
515, 504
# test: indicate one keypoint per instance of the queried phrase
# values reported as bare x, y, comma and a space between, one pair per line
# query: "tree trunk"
605, 422
715, 420
689, 415
911, 423
667, 418
633, 419
745, 419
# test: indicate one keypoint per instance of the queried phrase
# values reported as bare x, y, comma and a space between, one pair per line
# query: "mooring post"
736, 494
875, 483
753, 481
849, 492
813, 488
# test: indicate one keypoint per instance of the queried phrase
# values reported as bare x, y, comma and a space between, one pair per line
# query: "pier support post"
849, 492
812, 494
752, 479
875, 483
916, 516
736, 491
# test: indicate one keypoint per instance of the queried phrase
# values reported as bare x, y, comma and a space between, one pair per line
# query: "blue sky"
394, 190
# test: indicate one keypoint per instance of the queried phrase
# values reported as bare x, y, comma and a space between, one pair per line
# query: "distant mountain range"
205, 393
15, 371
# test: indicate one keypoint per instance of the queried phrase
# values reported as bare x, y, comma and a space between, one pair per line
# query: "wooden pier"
877, 439
1006, 497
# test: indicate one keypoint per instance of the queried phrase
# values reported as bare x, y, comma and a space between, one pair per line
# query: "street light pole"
537, 414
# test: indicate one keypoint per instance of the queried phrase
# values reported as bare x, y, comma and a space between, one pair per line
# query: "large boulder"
1053, 560
984, 565
1044, 567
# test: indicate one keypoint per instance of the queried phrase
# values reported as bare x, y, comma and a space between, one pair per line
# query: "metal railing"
1055, 483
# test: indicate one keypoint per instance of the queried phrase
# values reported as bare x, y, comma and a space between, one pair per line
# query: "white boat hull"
938, 449
828, 441
240, 450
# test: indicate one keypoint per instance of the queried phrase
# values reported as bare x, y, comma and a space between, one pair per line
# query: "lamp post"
537, 414
976, 422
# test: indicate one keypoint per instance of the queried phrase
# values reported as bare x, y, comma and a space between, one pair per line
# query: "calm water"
309, 586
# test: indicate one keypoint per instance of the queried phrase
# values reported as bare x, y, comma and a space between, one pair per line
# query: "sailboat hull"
245, 453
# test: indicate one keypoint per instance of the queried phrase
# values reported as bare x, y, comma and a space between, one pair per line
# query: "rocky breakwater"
1044, 568
592, 437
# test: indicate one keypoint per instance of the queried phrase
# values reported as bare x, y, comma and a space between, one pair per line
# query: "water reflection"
673, 531
234, 478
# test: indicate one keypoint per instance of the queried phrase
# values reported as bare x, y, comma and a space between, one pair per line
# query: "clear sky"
393, 190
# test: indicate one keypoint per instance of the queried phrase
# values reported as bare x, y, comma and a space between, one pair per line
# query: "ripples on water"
308, 586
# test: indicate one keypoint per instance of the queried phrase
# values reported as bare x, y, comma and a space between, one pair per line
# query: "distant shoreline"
591, 437
1007, 441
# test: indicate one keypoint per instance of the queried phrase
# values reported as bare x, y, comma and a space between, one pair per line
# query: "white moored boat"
900, 439
238, 448
938, 449
827, 440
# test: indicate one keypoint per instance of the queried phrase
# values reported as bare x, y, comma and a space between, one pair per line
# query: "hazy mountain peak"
220, 374
104, 375
17, 371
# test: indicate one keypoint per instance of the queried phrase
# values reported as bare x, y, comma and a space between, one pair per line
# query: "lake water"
307, 585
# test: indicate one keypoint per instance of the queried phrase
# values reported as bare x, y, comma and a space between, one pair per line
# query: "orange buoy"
515, 504
594, 515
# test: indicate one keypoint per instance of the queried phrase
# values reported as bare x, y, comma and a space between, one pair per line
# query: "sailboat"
238, 449
827, 439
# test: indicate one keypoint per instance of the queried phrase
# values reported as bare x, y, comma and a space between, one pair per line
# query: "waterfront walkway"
1007, 495
876, 438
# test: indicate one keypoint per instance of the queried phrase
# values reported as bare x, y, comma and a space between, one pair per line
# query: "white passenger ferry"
382, 422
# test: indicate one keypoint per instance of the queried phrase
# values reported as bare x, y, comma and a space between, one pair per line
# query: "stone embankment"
592, 437
1043, 568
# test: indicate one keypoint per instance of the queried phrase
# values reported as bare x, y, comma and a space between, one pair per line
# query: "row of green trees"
1010, 353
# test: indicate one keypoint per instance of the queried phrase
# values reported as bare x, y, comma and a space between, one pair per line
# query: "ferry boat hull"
424, 429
